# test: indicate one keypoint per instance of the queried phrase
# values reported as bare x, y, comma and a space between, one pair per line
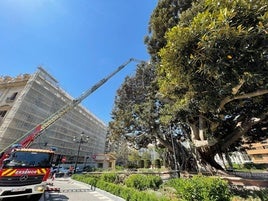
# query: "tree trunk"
207, 158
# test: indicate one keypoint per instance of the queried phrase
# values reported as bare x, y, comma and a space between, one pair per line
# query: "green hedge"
201, 188
91, 180
143, 182
129, 194
198, 188
109, 177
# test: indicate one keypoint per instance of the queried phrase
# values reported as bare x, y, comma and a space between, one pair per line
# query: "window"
2, 114
29, 159
12, 97
258, 156
100, 165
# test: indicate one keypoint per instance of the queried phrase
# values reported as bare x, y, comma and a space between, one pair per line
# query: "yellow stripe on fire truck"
8, 172
41, 171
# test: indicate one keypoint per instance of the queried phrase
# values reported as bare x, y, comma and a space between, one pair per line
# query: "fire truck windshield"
28, 159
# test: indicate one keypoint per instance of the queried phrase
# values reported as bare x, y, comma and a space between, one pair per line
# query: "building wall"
37, 97
258, 152
237, 157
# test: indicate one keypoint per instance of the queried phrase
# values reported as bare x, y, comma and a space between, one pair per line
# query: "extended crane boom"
26, 140
26, 169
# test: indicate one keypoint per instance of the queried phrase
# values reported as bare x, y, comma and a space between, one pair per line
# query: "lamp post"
174, 156
177, 172
80, 141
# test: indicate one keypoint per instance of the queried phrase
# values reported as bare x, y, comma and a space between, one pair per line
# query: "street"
71, 190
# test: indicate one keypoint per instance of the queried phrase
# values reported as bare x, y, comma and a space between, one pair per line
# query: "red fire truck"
24, 171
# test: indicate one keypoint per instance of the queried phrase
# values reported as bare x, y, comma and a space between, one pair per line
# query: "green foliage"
118, 168
261, 166
146, 155
164, 17
135, 108
134, 156
109, 177
137, 181
91, 180
216, 47
214, 66
196, 189
209, 63
129, 194
242, 194
201, 188
248, 165
147, 163
157, 163
141, 163
143, 182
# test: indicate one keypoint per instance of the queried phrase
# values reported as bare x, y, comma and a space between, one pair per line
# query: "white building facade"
27, 100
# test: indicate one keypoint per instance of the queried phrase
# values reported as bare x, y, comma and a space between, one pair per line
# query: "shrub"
154, 182
260, 166
91, 180
248, 165
119, 168
201, 188
129, 194
109, 177
143, 182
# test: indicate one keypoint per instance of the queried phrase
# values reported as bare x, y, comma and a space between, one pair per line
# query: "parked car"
78, 170
87, 169
63, 170
59, 171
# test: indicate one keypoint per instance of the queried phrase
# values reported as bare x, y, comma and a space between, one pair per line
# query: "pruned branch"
236, 88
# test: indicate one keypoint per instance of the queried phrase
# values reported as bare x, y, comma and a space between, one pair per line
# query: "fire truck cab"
24, 173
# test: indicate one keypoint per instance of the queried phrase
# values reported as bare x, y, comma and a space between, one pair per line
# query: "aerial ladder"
28, 138
16, 172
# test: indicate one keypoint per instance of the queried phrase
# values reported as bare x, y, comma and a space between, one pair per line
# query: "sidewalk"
58, 183
111, 196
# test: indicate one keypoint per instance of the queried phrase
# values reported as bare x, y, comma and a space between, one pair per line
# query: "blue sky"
78, 42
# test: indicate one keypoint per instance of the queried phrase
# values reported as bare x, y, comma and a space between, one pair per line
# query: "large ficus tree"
213, 74
136, 119
137, 107
207, 81
134, 108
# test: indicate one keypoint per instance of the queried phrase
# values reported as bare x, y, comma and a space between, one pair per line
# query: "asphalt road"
71, 190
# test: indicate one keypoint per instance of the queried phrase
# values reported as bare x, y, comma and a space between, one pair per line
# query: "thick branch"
240, 131
197, 141
249, 95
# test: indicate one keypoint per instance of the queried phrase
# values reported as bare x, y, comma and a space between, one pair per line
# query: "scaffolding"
27, 100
